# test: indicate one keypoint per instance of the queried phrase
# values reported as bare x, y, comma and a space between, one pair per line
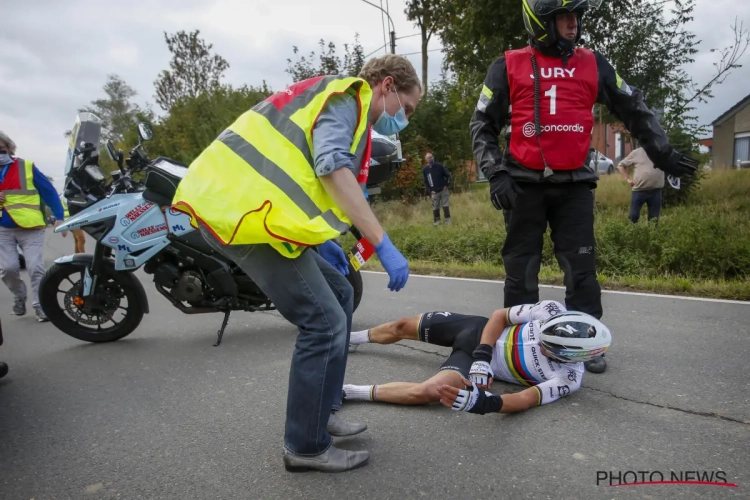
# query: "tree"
438, 125
194, 69
117, 112
195, 121
328, 62
425, 14
476, 33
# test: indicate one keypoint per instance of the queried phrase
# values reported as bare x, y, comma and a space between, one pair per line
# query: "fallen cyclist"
541, 346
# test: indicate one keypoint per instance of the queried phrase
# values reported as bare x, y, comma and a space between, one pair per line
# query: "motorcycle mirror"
120, 157
111, 150
144, 132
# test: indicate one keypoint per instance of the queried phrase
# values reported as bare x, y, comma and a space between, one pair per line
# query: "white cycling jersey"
517, 357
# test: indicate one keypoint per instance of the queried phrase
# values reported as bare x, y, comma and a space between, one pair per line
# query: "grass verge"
702, 249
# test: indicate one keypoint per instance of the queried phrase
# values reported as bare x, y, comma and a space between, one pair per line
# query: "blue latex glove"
394, 263
334, 255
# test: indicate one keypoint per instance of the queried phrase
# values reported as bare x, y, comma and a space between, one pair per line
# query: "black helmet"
539, 19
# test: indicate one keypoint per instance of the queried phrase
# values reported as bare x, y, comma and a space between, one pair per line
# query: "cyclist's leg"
452, 372
438, 328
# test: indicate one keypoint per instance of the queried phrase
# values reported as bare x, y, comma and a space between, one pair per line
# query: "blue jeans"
316, 298
651, 197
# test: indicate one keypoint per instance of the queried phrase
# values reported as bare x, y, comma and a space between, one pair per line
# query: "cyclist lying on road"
541, 346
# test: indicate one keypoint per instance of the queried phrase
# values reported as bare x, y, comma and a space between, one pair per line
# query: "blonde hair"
404, 75
8, 142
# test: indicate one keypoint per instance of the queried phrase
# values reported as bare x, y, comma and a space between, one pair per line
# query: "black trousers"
569, 210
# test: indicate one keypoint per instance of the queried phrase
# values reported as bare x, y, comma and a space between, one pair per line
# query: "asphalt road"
164, 414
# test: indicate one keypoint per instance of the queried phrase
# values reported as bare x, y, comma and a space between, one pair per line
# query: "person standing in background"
78, 235
22, 223
437, 180
647, 184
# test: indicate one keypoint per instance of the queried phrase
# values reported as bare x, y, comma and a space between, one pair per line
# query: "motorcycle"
134, 226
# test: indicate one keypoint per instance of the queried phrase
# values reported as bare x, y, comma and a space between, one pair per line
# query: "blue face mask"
390, 125
431, 161
5, 158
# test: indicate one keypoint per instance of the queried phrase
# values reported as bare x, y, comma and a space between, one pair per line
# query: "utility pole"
393, 27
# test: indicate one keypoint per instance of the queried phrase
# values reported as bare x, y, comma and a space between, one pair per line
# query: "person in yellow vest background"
284, 177
79, 236
22, 223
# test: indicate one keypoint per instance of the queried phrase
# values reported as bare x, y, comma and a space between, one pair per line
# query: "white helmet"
572, 337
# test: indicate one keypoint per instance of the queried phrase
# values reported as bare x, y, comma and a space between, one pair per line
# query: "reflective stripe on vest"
256, 182
23, 204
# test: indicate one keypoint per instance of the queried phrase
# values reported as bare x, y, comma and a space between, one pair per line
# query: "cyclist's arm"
525, 313
547, 392
494, 327
626, 104
489, 118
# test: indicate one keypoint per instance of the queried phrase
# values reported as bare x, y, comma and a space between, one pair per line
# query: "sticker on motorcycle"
137, 212
146, 231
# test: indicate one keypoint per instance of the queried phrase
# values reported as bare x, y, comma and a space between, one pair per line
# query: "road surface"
164, 414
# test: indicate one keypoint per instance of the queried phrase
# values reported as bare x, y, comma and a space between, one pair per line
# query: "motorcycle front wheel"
100, 317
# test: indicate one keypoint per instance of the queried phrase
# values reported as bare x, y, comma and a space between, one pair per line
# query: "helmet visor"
560, 6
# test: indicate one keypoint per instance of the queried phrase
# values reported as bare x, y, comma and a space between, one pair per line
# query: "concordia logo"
529, 130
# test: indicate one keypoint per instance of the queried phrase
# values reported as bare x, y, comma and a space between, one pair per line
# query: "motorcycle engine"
184, 286
189, 287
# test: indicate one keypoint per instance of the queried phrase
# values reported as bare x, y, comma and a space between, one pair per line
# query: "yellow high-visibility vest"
64, 202
256, 182
23, 203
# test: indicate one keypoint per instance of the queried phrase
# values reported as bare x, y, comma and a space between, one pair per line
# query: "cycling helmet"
539, 19
572, 337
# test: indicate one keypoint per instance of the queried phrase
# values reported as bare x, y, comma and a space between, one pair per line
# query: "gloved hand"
334, 255
472, 399
503, 191
480, 372
676, 164
394, 263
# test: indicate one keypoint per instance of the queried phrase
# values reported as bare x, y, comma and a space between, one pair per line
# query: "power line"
393, 26
412, 53
382, 23
386, 44
383, 11
376, 50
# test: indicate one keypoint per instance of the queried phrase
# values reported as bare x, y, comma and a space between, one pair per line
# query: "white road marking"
621, 292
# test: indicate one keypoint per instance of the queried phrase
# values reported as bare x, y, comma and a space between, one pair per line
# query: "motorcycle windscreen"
87, 128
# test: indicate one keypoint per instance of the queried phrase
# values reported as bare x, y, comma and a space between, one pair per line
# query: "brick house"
731, 137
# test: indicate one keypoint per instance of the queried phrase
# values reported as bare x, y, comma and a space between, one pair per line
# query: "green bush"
708, 239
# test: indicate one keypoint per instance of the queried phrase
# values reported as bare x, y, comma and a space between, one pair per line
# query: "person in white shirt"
647, 184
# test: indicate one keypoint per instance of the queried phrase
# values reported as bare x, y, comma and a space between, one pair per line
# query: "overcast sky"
56, 53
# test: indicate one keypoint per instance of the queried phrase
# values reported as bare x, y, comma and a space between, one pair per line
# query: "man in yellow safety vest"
22, 189
284, 177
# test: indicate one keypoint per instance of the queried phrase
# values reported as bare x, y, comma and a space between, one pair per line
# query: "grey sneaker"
19, 306
40, 316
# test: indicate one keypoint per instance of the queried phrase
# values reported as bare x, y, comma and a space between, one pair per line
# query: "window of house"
741, 148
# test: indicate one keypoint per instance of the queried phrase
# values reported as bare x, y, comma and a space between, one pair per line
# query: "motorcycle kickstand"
223, 327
